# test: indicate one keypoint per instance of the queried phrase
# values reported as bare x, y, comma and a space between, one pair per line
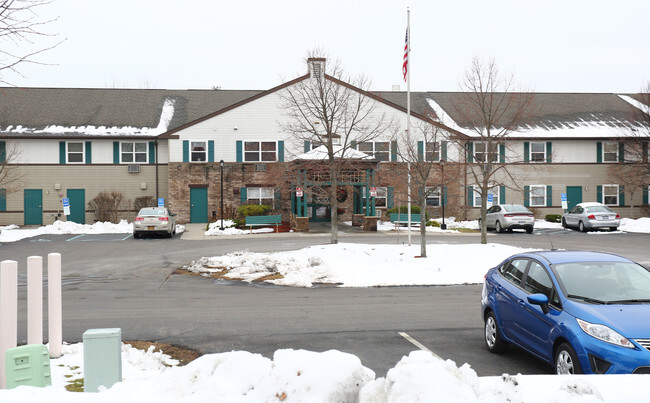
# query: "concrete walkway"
196, 232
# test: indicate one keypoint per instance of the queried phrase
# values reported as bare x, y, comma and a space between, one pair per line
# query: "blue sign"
563, 195
161, 202
490, 197
66, 202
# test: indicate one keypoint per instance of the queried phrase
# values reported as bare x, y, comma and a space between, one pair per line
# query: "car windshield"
516, 209
152, 211
605, 282
599, 209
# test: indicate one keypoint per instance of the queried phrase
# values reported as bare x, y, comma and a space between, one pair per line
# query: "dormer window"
316, 67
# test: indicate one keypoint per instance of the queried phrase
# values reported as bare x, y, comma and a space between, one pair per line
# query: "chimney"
396, 87
316, 67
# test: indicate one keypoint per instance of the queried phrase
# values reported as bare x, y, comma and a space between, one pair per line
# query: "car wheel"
613, 228
493, 339
136, 235
529, 230
566, 361
564, 224
581, 227
498, 227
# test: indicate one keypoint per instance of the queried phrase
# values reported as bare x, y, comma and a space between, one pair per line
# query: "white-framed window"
538, 152
610, 152
483, 151
610, 195
133, 152
433, 196
381, 200
537, 197
260, 195
260, 151
75, 151
198, 151
494, 190
379, 150
432, 151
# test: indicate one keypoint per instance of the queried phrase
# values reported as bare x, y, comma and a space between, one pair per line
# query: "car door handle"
522, 303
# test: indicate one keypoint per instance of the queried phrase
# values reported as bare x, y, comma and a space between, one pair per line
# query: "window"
433, 196
538, 280
382, 196
514, 270
260, 195
379, 150
538, 152
260, 151
198, 151
75, 152
494, 190
133, 152
610, 152
432, 151
610, 195
537, 195
484, 150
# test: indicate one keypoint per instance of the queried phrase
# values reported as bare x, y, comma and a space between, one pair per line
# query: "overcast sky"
549, 46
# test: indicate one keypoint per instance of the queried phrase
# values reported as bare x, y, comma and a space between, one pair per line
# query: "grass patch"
76, 385
222, 274
184, 355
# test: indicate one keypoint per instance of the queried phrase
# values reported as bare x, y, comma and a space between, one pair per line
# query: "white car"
590, 216
506, 217
154, 220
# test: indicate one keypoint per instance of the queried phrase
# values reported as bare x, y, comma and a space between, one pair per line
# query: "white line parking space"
99, 237
417, 343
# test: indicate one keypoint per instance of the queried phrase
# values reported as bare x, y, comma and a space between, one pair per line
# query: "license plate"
522, 222
151, 228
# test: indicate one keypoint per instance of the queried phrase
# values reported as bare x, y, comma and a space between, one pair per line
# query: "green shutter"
89, 152
3, 199
210, 150
243, 195
644, 152
621, 152
443, 150
470, 195
502, 194
3, 152
549, 151
393, 151
444, 195
278, 199
307, 146
389, 197
621, 195
470, 153
116, 152
420, 150
186, 151
599, 152
353, 144
61, 152
549, 195
526, 196
645, 195
280, 151
526, 151
152, 152
502, 153
240, 156
599, 194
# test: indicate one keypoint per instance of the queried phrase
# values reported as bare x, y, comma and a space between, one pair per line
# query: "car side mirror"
541, 300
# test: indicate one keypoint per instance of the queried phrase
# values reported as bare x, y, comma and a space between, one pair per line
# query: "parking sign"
161, 202
66, 206
490, 200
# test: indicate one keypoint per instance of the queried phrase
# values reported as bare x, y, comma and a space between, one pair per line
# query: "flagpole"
408, 114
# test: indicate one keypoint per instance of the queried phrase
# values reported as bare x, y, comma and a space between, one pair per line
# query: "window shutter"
240, 156
502, 153
210, 150
280, 151
393, 151
116, 152
599, 194
526, 151
526, 196
599, 152
549, 151
243, 195
186, 151
353, 144
644, 148
89, 152
645, 195
443, 150
470, 195
278, 198
549, 195
444, 196
420, 151
621, 195
470, 153
307, 146
3, 199
61, 152
502, 194
621, 152
152, 152
389, 197
3, 152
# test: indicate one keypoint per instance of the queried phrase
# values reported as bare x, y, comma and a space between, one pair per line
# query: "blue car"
581, 312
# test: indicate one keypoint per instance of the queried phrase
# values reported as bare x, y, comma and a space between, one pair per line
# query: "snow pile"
639, 225
13, 233
229, 229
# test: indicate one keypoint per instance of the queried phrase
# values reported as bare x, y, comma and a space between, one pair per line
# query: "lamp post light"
442, 193
221, 170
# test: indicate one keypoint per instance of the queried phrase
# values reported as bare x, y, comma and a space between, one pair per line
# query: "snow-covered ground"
330, 376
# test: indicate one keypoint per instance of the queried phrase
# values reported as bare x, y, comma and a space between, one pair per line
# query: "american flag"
406, 55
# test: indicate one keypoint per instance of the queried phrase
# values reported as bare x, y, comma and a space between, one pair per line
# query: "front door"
199, 205
33, 207
573, 195
77, 199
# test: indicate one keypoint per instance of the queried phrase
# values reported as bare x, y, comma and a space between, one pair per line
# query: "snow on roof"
320, 153
165, 118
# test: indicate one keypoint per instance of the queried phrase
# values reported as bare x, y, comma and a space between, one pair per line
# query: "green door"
199, 204
77, 199
33, 207
573, 196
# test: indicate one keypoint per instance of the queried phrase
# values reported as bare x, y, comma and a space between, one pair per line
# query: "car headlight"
604, 333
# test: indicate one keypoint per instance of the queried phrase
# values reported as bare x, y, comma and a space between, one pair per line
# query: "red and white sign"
299, 192
373, 192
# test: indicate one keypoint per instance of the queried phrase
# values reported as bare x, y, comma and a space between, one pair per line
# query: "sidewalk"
196, 232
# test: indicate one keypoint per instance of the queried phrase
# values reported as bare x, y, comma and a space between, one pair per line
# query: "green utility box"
102, 358
28, 365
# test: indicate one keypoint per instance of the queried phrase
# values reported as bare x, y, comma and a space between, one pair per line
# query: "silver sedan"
589, 216
154, 220
503, 217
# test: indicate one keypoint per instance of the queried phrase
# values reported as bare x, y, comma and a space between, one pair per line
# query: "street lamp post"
442, 193
221, 170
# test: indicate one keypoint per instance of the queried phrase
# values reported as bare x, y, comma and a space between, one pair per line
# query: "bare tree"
334, 111
10, 177
491, 108
19, 25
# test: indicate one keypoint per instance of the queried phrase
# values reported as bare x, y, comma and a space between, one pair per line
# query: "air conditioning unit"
134, 168
260, 167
